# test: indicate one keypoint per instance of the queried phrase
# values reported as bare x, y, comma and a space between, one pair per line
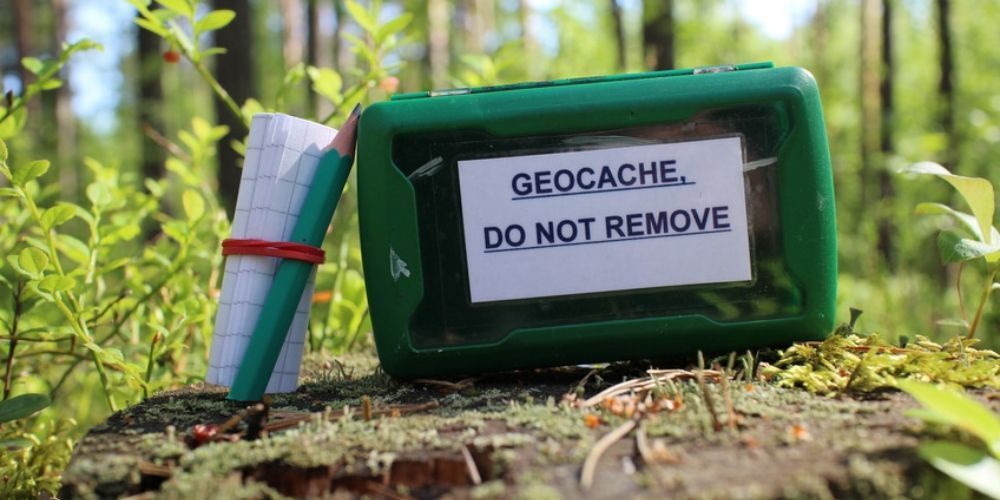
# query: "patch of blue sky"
96, 76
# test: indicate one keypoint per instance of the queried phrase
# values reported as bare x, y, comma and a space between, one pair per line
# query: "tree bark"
150, 101
339, 54
820, 42
886, 148
485, 18
472, 40
658, 33
292, 44
869, 91
437, 42
619, 29
65, 121
235, 72
312, 51
946, 86
23, 26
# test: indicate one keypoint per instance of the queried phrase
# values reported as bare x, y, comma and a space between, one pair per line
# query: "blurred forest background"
143, 120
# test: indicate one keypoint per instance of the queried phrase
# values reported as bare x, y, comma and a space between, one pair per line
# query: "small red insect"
171, 56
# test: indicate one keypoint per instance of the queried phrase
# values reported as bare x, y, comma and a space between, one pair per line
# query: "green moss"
851, 362
538, 491
529, 444
208, 485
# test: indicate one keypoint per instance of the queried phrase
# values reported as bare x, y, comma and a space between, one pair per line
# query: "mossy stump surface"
502, 436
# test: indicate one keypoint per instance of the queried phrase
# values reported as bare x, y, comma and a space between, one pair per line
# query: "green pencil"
291, 276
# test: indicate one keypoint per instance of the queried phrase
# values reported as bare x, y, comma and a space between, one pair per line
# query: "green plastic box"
656, 214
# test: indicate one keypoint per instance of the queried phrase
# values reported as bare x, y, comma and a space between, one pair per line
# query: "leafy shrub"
975, 464
107, 300
973, 237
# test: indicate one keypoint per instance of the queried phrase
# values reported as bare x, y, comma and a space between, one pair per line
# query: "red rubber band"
284, 249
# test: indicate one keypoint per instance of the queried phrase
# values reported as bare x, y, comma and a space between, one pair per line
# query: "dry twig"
470, 464
444, 384
601, 446
645, 384
707, 395
727, 399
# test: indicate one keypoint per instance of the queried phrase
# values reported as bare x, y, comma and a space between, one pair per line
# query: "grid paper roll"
281, 157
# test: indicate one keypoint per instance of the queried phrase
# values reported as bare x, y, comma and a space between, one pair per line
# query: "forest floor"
351, 430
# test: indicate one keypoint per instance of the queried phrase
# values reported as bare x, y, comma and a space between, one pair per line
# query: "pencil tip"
345, 140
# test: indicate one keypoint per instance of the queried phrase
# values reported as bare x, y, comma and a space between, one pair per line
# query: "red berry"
203, 433
389, 84
171, 56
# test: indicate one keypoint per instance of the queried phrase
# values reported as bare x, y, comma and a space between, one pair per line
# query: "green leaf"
33, 262
22, 406
969, 466
213, 51
175, 230
33, 64
214, 20
954, 248
79, 46
140, 5
182, 7
361, 16
976, 191
152, 27
392, 27
57, 215
15, 444
30, 172
326, 82
54, 283
194, 205
12, 125
73, 248
959, 410
50, 84
965, 220
3, 151
98, 194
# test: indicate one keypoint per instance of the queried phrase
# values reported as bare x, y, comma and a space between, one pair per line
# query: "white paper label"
605, 220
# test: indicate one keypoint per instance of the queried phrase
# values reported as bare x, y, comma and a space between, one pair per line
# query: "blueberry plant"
97, 310
972, 239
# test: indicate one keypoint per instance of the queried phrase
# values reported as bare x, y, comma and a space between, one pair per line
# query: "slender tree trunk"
292, 44
150, 102
472, 40
946, 86
486, 18
65, 121
820, 41
531, 50
438, 27
339, 54
619, 29
869, 90
23, 26
658, 33
235, 72
886, 148
312, 51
